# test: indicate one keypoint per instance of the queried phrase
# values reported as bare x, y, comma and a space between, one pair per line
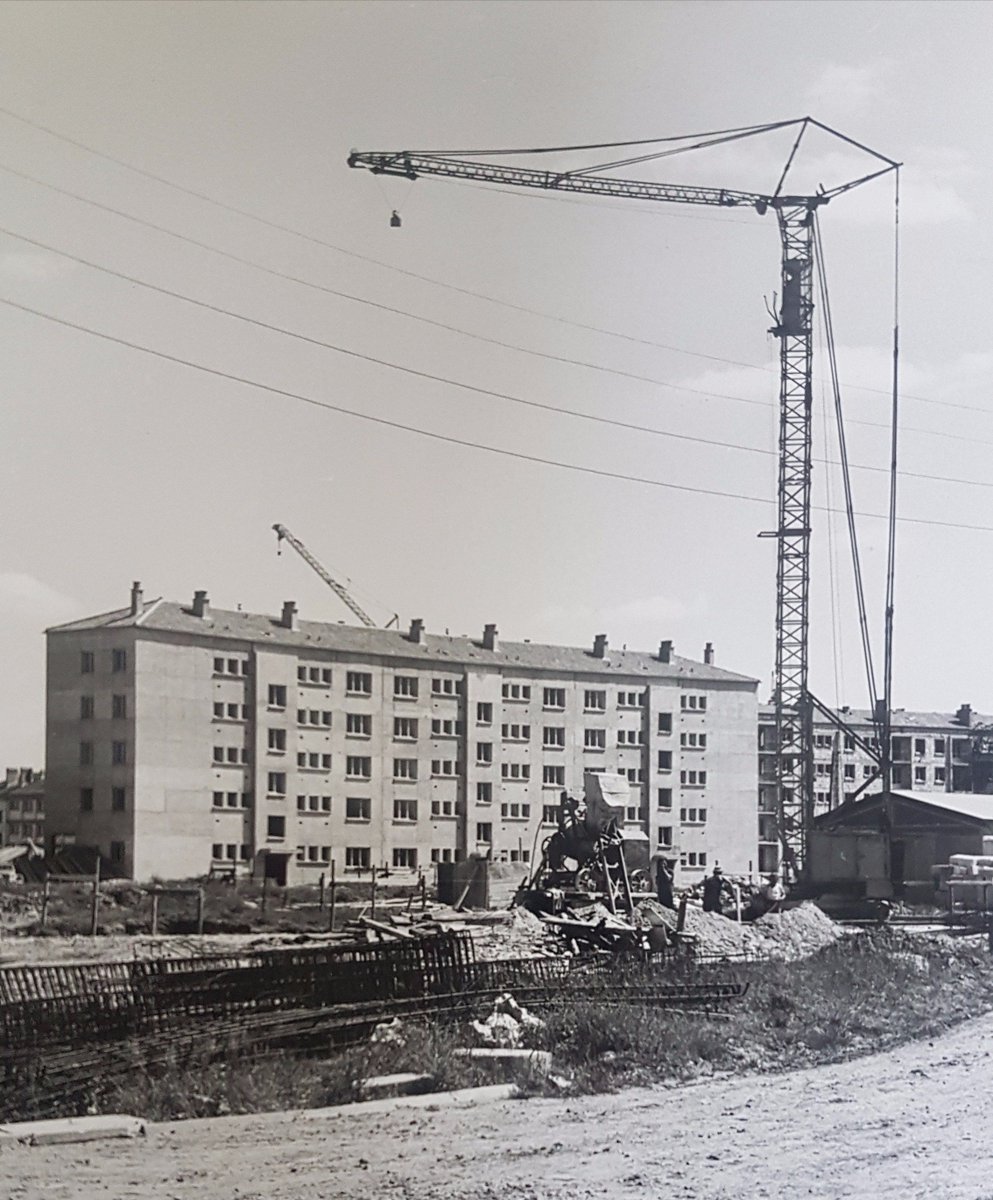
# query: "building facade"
931, 752
22, 807
180, 738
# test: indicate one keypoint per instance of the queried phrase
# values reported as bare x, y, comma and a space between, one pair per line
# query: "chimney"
201, 605
600, 646
964, 715
289, 618
665, 652
13, 777
135, 598
708, 654
416, 634
490, 638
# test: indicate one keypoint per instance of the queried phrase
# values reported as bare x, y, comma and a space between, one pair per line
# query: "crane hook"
395, 221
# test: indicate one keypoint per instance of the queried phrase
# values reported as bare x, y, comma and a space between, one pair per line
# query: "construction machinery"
284, 535
793, 326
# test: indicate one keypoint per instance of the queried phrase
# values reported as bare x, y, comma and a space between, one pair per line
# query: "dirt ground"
911, 1122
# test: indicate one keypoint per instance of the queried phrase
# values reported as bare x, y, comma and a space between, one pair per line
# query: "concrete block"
72, 1129
504, 1061
463, 1098
403, 1084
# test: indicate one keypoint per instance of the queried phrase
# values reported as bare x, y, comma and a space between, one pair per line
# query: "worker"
663, 882
713, 887
771, 895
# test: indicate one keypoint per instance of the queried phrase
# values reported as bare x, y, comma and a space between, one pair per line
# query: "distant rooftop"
903, 719
183, 621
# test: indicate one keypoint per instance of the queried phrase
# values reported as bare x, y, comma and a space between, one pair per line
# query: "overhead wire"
443, 437
314, 240
446, 380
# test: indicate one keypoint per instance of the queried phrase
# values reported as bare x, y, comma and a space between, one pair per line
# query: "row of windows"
693, 816
232, 800
87, 661
118, 754
118, 799
118, 707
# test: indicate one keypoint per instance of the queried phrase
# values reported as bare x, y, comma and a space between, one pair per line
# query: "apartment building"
22, 807
181, 738
931, 752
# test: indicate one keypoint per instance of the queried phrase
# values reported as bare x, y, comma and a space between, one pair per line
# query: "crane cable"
891, 516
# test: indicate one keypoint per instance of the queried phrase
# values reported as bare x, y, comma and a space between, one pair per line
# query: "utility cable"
891, 516
442, 437
497, 395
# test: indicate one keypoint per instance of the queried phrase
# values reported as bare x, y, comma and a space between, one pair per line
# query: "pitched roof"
902, 719
974, 806
165, 616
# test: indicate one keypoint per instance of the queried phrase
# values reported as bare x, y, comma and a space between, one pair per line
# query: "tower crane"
283, 534
795, 215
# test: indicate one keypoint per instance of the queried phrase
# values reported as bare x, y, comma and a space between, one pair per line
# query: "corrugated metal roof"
168, 617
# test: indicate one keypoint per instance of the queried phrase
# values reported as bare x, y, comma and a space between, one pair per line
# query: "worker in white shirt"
771, 895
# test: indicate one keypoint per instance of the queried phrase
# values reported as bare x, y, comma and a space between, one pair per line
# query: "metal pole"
95, 903
334, 899
372, 898
200, 908
424, 892
45, 893
265, 891
155, 913
320, 900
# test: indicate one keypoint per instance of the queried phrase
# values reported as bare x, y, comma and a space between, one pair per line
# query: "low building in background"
22, 807
181, 738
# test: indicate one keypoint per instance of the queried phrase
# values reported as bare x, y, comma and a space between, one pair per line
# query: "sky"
120, 465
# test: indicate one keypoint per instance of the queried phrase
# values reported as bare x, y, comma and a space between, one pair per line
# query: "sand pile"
795, 933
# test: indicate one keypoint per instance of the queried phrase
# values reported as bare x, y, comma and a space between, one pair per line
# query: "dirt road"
915, 1122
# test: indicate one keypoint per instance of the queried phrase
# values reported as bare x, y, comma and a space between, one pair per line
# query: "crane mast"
794, 328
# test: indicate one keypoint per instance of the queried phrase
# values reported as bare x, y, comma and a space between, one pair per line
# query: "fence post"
320, 894
265, 892
372, 897
334, 899
200, 908
424, 891
45, 893
155, 912
95, 905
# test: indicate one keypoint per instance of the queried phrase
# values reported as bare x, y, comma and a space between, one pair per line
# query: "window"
217, 851
920, 746
630, 699
665, 835
85, 799
664, 798
357, 767
484, 793
484, 754
313, 804
920, 775
312, 761
550, 814
117, 852
693, 778
515, 812
939, 775
515, 733
445, 728
405, 729
277, 696
595, 739
118, 660
849, 770
448, 685
404, 858
442, 808
553, 698
358, 808
86, 662
693, 741
553, 737
867, 771
358, 725
118, 753
86, 754
665, 760
516, 691
357, 858
441, 855
939, 747
553, 776
405, 687
444, 766
314, 717
404, 810
665, 722
595, 701
629, 737
277, 741
697, 703
515, 771
405, 768
276, 783
849, 742
484, 831
358, 683
275, 828
117, 799
314, 676
693, 816
484, 714
86, 708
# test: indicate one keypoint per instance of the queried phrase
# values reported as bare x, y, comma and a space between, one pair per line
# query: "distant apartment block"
181, 738
22, 807
931, 752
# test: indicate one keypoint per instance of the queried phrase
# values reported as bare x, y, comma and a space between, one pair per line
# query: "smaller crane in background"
283, 534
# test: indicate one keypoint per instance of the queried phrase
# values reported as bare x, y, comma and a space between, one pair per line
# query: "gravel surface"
913, 1122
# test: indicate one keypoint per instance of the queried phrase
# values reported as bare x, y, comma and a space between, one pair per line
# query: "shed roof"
973, 806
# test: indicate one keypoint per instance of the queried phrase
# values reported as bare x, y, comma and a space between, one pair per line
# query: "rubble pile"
786, 936
521, 935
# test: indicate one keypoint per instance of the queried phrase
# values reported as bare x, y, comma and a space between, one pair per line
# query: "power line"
251, 216
448, 438
492, 393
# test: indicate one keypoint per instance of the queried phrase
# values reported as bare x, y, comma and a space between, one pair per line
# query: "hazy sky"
120, 466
